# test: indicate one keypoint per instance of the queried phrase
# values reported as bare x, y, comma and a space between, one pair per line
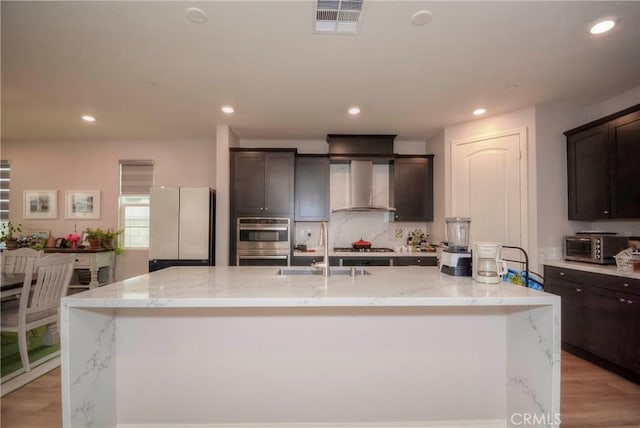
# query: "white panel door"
489, 185
194, 223
163, 223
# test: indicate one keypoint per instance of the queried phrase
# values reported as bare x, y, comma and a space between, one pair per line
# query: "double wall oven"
263, 241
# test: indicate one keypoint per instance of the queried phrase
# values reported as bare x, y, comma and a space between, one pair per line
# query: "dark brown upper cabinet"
262, 182
603, 172
412, 188
312, 188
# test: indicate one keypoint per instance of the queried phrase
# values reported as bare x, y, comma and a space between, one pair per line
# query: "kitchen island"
238, 346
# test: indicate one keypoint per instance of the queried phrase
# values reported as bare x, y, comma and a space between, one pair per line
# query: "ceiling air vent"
338, 16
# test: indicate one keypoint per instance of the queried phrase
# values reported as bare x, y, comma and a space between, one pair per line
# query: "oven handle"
240, 256
262, 228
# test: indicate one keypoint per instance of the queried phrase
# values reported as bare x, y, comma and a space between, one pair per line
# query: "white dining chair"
39, 302
15, 261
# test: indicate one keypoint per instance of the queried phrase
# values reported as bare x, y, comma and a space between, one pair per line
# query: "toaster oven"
594, 248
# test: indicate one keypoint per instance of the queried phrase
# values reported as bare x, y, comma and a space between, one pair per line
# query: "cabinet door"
312, 188
413, 189
625, 134
588, 174
279, 182
610, 325
248, 181
572, 309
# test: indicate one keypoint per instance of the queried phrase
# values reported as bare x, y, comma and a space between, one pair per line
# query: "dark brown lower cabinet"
417, 261
600, 317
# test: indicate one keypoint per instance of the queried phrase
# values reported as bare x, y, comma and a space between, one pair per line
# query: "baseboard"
491, 423
51, 362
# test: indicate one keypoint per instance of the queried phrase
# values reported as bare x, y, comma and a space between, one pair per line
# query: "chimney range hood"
361, 188
360, 151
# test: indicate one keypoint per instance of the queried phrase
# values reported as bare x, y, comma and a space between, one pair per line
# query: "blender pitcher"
458, 234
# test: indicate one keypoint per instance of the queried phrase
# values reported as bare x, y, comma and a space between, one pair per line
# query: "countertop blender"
456, 258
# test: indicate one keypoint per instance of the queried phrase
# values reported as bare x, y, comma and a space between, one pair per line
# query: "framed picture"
40, 204
59, 242
83, 204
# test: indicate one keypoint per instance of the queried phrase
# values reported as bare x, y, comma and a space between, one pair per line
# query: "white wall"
225, 139
435, 146
94, 165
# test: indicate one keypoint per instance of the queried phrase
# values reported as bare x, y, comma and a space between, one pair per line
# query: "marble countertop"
263, 287
593, 268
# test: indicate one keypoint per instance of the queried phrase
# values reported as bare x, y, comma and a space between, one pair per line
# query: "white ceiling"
145, 71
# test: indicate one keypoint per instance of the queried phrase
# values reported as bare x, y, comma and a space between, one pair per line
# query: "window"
5, 172
5, 179
136, 178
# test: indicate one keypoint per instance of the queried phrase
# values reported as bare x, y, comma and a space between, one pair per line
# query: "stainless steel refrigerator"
182, 227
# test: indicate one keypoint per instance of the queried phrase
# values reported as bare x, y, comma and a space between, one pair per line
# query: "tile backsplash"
349, 226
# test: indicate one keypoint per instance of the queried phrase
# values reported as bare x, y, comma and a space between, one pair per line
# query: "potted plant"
110, 238
94, 237
7, 235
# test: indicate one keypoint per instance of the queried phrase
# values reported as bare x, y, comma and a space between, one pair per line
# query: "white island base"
180, 347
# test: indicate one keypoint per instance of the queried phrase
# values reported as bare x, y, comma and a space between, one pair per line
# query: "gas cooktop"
362, 250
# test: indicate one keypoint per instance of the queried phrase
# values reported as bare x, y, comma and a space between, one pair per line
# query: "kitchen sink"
335, 270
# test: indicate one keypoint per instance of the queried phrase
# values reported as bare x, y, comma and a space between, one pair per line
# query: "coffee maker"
488, 268
456, 259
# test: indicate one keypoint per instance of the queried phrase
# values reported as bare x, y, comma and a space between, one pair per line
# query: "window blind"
5, 179
136, 177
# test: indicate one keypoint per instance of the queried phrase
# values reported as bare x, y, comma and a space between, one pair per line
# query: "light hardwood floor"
591, 397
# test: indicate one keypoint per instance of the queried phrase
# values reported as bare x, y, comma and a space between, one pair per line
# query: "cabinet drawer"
304, 261
563, 274
611, 282
82, 260
620, 284
417, 261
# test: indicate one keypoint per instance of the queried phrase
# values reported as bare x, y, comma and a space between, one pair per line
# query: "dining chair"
15, 261
39, 302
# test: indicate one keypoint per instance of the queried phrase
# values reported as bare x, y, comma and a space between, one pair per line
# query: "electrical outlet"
309, 233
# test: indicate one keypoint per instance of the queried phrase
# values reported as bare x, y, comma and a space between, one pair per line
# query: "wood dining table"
11, 284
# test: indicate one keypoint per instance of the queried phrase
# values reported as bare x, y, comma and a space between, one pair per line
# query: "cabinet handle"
266, 209
625, 285
621, 300
561, 273
629, 302
578, 290
606, 212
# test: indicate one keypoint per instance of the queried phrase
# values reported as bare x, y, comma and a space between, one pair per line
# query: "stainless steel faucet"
324, 241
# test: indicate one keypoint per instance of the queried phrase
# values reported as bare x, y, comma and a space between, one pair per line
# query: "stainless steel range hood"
361, 188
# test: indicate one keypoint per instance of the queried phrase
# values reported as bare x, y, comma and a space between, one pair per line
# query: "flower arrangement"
73, 238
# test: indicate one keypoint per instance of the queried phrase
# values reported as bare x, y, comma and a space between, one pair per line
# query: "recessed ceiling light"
479, 111
228, 109
196, 15
88, 118
354, 110
421, 17
603, 25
